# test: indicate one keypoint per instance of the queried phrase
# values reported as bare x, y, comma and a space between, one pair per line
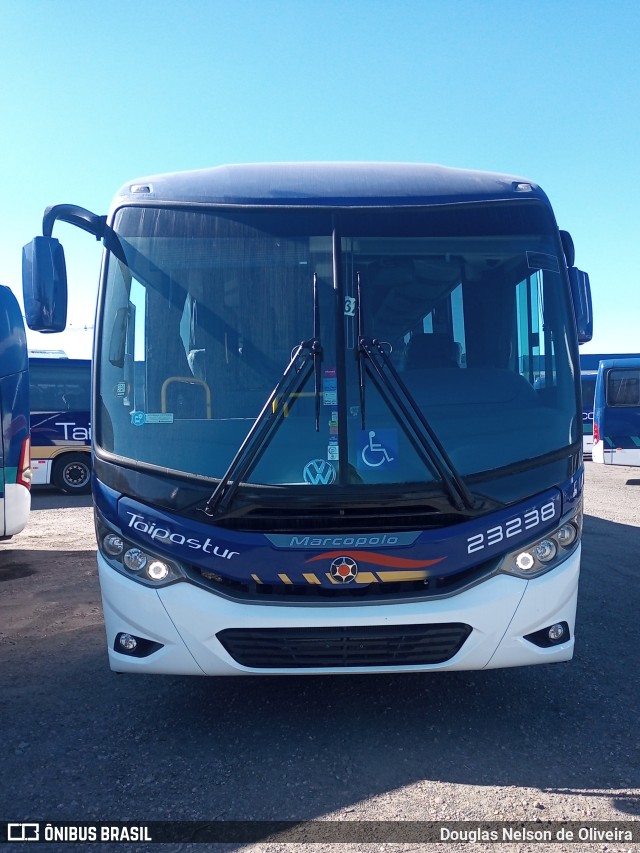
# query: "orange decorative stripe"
366, 577
361, 577
394, 577
378, 559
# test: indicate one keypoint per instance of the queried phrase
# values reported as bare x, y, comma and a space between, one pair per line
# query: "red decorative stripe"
377, 559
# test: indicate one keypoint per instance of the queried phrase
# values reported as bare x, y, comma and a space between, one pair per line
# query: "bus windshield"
203, 309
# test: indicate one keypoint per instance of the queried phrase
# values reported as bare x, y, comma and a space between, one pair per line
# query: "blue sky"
93, 95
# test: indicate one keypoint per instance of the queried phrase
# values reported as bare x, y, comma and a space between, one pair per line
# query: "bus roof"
326, 184
58, 362
608, 363
590, 361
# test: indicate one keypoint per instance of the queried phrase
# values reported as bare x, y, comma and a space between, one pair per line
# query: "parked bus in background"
588, 385
60, 422
616, 424
320, 443
589, 363
15, 471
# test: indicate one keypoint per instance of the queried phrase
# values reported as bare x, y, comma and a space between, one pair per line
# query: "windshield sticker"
319, 472
542, 261
333, 454
141, 418
333, 424
330, 387
159, 418
378, 449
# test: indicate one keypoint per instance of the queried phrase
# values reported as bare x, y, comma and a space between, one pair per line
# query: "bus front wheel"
72, 473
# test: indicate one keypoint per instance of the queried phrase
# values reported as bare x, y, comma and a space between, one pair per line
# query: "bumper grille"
374, 646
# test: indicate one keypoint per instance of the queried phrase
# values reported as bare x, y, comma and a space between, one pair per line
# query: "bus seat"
425, 351
186, 398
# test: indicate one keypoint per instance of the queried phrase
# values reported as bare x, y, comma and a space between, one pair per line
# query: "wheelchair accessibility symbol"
378, 448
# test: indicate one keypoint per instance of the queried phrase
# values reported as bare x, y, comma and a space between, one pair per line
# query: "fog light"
553, 635
566, 535
157, 570
128, 642
546, 550
135, 560
113, 544
525, 561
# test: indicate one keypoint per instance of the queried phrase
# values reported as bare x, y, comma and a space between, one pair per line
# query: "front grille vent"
359, 646
332, 519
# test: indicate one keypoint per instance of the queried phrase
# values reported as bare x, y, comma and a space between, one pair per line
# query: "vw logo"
344, 569
319, 473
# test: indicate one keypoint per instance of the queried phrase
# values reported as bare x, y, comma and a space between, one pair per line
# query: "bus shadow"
48, 497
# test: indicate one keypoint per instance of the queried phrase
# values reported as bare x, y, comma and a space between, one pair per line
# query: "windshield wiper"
374, 360
305, 359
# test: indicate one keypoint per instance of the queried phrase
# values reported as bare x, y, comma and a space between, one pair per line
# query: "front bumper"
185, 621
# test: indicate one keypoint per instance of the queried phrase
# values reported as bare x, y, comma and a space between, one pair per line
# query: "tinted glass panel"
623, 387
61, 386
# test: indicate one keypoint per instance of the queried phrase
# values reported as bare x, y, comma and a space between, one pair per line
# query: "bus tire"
72, 473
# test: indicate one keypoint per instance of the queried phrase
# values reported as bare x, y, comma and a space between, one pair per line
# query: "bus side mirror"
581, 296
44, 285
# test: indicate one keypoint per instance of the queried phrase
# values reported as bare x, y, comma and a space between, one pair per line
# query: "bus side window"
623, 388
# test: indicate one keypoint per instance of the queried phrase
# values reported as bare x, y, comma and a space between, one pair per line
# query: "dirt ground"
533, 743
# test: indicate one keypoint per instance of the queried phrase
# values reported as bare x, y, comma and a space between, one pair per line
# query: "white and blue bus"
15, 471
616, 422
320, 440
61, 422
589, 363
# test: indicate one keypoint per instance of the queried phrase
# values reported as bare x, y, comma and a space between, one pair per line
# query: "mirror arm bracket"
75, 215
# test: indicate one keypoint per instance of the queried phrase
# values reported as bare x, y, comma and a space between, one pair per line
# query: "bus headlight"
113, 544
567, 535
547, 553
546, 550
135, 559
135, 562
158, 570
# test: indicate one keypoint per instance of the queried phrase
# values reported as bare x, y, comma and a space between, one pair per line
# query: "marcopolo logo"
166, 536
360, 540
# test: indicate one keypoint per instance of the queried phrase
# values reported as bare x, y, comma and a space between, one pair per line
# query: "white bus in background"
60, 389
589, 363
616, 423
